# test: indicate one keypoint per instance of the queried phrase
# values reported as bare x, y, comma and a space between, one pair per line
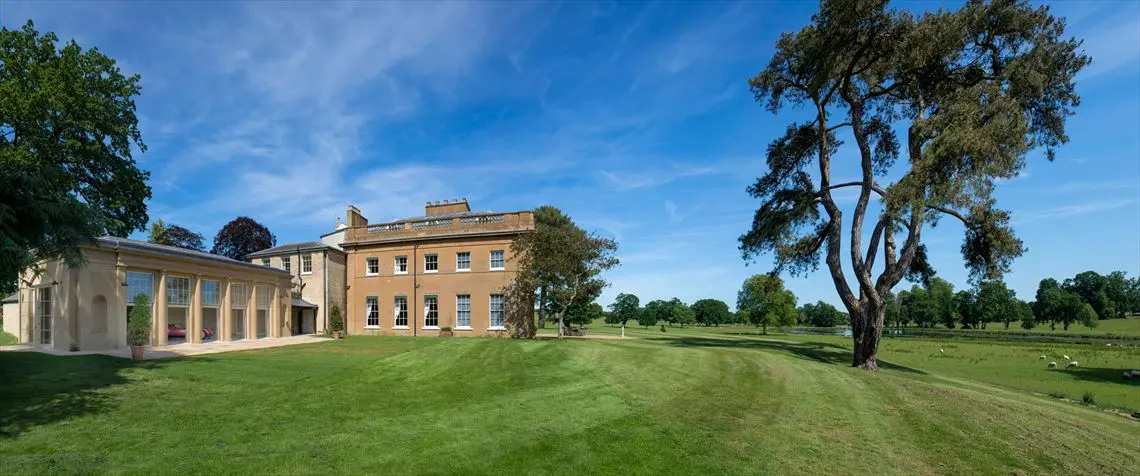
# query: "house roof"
441, 216
13, 298
136, 245
292, 248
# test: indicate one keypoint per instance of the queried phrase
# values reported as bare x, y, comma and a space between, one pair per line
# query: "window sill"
496, 328
498, 269
431, 272
400, 272
468, 270
306, 274
401, 328
371, 327
463, 328
430, 328
368, 275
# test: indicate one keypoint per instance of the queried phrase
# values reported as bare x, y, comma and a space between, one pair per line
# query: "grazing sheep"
1052, 365
942, 350
1072, 365
1134, 373
1042, 357
1127, 375
1065, 357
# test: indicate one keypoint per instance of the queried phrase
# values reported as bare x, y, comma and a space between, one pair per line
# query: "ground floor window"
496, 310
463, 310
371, 312
431, 311
400, 309
138, 284
43, 315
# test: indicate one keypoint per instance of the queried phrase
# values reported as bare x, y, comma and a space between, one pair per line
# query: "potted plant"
138, 326
336, 322
446, 331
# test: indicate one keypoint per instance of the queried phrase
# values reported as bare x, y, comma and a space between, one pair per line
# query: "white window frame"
399, 306
264, 297
44, 314
150, 290
428, 311
432, 255
371, 312
367, 266
459, 311
239, 290
396, 265
287, 264
491, 260
458, 261
265, 262
171, 291
307, 264
491, 313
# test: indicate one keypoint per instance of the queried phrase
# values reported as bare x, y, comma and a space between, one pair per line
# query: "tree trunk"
542, 307
867, 331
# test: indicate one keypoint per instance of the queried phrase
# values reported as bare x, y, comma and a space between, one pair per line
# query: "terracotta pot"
137, 352
336, 335
446, 333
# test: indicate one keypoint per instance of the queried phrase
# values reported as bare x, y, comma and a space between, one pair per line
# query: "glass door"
43, 316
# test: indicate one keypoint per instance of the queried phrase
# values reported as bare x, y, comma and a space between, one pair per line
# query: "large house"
416, 275
194, 297
318, 280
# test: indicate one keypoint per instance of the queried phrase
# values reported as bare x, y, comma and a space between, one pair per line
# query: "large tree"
625, 308
563, 263
242, 236
767, 302
711, 312
996, 303
971, 90
174, 235
68, 130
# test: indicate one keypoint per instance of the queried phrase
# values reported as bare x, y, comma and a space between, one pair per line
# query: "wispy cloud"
1113, 44
1076, 209
1083, 185
653, 177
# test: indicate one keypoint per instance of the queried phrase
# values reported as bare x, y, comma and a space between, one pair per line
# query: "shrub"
336, 321
445, 329
662, 327
138, 327
1088, 398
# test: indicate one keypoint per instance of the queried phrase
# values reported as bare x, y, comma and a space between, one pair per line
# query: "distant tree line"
1084, 298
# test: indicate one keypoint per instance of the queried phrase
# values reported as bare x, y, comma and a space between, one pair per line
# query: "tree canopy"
68, 131
972, 90
712, 312
174, 235
242, 236
625, 308
821, 314
563, 263
767, 302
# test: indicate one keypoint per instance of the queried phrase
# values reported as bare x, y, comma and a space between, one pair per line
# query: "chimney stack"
447, 207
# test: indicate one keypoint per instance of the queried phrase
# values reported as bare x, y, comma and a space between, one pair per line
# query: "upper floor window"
286, 264
371, 312
497, 260
463, 261
372, 266
431, 263
307, 264
265, 261
401, 265
139, 283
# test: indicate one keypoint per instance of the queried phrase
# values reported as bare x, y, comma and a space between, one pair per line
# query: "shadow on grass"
38, 389
1103, 375
816, 351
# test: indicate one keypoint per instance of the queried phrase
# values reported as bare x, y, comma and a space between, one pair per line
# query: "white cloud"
1112, 46
1074, 210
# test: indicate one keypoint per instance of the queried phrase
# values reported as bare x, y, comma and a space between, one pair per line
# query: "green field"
8, 339
686, 402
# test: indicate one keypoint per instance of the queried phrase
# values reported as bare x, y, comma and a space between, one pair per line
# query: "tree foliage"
767, 302
68, 131
242, 236
821, 314
625, 308
174, 235
973, 90
563, 263
712, 312
680, 313
655, 311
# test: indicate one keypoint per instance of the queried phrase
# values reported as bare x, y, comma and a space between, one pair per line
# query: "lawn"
692, 402
8, 339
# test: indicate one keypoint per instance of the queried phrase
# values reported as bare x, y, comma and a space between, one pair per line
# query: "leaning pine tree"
972, 91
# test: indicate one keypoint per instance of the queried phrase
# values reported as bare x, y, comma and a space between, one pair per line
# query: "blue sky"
634, 118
